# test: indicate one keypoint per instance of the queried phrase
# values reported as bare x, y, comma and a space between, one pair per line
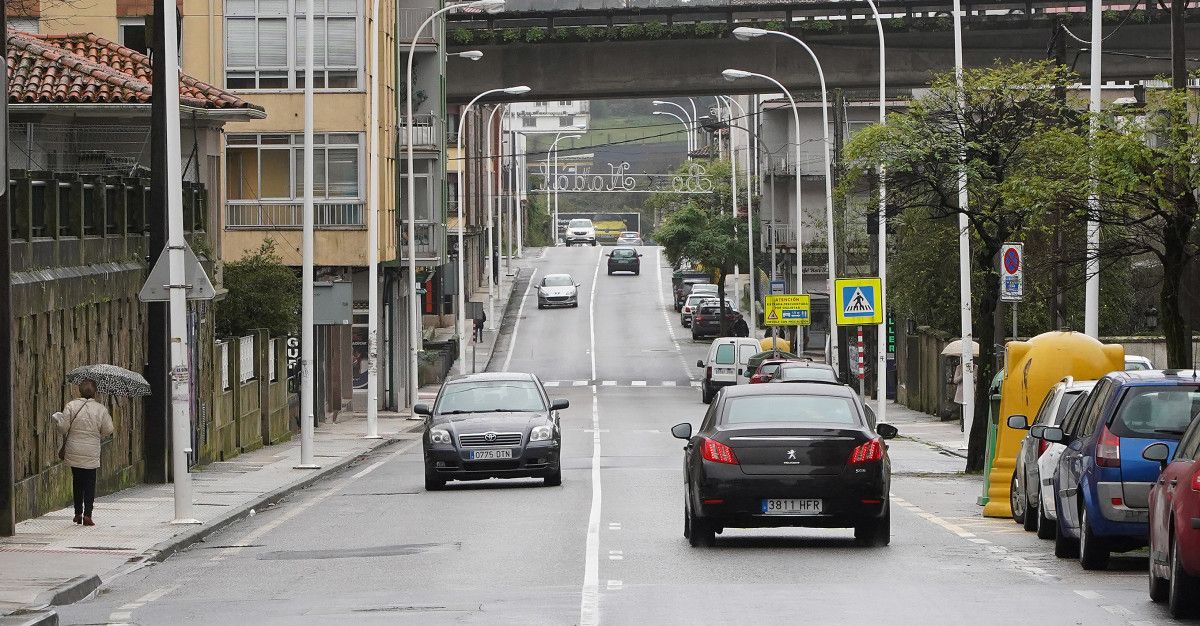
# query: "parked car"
693, 302
762, 357
726, 357
1102, 483
493, 425
681, 282
580, 231
1133, 363
624, 260
630, 238
558, 290
706, 321
766, 369
1175, 523
769, 456
1029, 507
805, 372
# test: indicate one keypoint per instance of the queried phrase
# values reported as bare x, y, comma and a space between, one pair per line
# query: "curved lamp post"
553, 152
414, 310
462, 227
689, 120
746, 33
687, 136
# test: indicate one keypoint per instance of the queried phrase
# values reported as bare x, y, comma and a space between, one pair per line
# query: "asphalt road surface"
371, 546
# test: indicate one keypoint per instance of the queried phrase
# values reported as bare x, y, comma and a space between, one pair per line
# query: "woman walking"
84, 422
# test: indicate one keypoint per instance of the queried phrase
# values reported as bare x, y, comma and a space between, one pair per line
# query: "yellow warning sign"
788, 310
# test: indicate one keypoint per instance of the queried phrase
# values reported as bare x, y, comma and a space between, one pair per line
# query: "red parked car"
1175, 523
767, 369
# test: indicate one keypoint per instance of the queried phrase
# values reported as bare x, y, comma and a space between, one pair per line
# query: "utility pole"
1178, 41
8, 517
156, 407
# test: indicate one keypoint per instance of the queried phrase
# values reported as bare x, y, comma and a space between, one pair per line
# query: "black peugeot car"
624, 260
802, 454
492, 425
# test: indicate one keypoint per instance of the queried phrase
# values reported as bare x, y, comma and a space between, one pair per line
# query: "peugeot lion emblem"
791, 455
489, 437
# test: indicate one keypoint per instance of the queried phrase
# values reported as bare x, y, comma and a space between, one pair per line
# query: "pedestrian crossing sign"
857, 301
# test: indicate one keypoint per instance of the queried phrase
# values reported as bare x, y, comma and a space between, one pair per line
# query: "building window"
528, 121
271, 167
23, 24
264, 44
132, 33
566, 121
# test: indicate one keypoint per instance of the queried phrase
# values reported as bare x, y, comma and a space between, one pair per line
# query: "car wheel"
433, 482
555, 479
1064, 547
637, 272
575, 305
695, 336
1045, 525
1031, 512
876, 532
593, 244
1093, 551
706, 393
541, 306
1159, 587
1015, 501
1184, 588
698, 531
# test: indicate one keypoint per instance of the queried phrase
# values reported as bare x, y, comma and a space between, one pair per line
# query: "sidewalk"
927, 429
51, 561
479, 355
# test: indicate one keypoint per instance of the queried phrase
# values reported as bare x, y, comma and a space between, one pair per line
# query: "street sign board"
788, 310
857, 302
778, 286
1012, 272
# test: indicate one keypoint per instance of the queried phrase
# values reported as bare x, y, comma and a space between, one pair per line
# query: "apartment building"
256, 49
548, 116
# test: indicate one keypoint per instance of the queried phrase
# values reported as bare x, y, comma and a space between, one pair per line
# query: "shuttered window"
265, 44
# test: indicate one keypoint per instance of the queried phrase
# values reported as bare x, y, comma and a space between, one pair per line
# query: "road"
371, 546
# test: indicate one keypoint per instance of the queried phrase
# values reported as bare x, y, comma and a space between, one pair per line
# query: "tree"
999, 119
263, 293
1145, 167
700, 228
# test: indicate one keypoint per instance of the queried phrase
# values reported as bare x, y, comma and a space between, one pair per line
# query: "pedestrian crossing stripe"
857, 301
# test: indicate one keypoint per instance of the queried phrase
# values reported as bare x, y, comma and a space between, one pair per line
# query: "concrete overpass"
688, 46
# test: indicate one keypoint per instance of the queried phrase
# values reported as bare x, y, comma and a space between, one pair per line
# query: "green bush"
774, 25
705, 29
511, 35
561, 34
462, 36
632, 32
656, 30
534, 35
588, 33
263, 293
680, 31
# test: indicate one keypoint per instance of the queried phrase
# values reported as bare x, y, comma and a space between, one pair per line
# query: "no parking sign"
1012, 270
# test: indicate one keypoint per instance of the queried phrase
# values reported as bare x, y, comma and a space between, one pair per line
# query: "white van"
726, 358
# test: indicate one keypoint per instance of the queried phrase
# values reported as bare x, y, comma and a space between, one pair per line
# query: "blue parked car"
1102, 484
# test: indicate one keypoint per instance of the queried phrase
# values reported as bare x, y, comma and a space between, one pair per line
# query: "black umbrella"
111, 380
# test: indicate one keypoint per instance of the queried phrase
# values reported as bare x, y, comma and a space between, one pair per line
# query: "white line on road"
609, 383
512, 341
589, 601
581, 383
638, 383
1090, 595
615, 555
370, 468
550, 383
668, 383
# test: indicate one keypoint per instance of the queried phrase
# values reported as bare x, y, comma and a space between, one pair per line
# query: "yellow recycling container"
1031, 368
781, 344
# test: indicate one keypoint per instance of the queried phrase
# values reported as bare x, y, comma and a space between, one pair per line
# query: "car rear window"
816, 374
724, 354
623, 254
791, 408
1156, 412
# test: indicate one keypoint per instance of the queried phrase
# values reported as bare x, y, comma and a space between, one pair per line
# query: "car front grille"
501, 439
558, 298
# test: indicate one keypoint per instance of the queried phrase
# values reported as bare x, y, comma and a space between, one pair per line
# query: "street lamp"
554, 152
686, 129
732, 75
690, 122
745, 33
414, 310
749, 224
964, 250
462, 226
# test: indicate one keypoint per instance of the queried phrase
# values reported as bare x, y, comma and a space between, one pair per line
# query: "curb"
39, 618
507, 302
69, 592
954, 451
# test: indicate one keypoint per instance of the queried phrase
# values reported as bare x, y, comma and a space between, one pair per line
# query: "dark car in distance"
492, 425
768, 456
706, 321
624, 260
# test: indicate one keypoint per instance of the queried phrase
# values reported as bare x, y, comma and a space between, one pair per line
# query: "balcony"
430, 242
426, 132
779, 236
408, 20
288, 215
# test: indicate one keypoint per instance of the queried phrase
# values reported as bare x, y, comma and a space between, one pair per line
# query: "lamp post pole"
964, 250
1091, 316
881, 347
750, 136
687, 133
462, 226
489, 202
554, 153
689, 123
308, 345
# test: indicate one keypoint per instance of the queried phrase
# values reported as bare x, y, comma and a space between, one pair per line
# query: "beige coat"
92, 424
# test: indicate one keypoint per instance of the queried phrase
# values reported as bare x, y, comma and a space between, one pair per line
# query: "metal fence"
112, 150
430, 240
426, 131
408, 20
290, 215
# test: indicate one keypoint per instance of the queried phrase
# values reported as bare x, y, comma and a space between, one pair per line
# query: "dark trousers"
84, 487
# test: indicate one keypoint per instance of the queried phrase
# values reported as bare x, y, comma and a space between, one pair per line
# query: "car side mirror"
887, 431
1053, 434
699, 363
559, 404
1037, 431
682, 431
422, 409
1019, 422
1157, 452
640, 255
578, 285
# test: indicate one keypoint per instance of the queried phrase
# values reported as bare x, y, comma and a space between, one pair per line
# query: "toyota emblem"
489, 437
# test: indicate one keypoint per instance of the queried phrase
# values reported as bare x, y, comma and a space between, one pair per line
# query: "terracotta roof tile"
84, 68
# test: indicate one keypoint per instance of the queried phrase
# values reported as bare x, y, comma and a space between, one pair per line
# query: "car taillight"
698, 318
1196, 481
1042, 445
1108, 449
755, 379
867, 452
717, 452
708, 373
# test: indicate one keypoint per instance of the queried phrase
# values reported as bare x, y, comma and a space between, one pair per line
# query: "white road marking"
1117, 610
668, 383
1090, 595
370, 468
695, 383
583, 383
589, 601
615, 585
614, 525
550, 383
609, 383
615, 555
512, 341
638, 383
